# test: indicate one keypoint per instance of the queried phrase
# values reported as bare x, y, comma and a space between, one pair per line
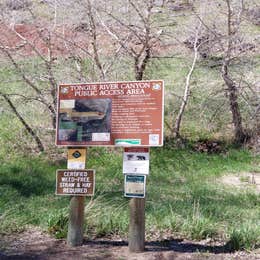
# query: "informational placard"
136, 160
75, 182
135, 186
76, 158
111, 113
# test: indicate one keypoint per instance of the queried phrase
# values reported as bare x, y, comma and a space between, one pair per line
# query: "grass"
245, 237
183, 196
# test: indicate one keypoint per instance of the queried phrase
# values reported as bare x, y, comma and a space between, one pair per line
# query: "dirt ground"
34, 244
245, 180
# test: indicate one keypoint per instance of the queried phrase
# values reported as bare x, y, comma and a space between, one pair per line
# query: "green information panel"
135, 186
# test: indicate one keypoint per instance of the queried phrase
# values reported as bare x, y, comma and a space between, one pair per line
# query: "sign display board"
110, 113
136, 160
135, 186
76, 158
75, 182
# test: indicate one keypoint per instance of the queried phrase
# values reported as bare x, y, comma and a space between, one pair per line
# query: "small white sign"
105, 137
135, 162
69, 103
154, 139
76, 165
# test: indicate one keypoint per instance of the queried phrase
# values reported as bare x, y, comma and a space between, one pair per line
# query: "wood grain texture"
136, 236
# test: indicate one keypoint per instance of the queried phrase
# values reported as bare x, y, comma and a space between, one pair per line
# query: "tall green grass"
184, 196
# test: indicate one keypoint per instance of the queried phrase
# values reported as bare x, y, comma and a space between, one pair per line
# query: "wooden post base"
76, 221
137, 225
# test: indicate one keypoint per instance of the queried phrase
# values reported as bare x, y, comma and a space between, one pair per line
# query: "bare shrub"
254, 15
18, 4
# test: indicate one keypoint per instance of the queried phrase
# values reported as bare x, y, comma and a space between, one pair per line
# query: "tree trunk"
27, 127
240, 135
232, 29
177, 125
185, 98
141, 63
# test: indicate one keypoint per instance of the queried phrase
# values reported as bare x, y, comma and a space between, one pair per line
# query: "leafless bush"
18, 4
180, 5
254, 15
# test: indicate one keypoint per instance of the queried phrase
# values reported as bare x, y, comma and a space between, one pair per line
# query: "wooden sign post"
136, 236
76, 221
127, 114
78, 183
136, 168
76, 210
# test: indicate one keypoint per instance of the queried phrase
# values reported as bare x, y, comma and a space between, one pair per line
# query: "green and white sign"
135, 186
127, 142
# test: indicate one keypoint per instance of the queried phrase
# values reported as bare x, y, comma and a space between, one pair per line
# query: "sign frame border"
108, 145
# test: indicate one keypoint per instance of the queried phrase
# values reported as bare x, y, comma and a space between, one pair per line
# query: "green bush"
245, 237
200, 228
58, 224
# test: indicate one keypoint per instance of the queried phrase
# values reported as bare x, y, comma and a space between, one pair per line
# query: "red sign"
110, 113
136, 150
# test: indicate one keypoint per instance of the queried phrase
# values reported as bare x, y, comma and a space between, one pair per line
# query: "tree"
186, 94
226, 43
232, 87
29, 130
137, 37
51, 46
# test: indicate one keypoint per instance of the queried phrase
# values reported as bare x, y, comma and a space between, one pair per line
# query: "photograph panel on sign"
85, 120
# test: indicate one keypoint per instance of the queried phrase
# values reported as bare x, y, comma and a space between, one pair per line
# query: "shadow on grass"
29, 188
27, 182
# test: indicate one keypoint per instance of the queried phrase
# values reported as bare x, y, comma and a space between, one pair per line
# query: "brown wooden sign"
110, 113
75, 182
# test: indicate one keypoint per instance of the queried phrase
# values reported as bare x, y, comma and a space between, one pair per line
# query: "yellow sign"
76, 158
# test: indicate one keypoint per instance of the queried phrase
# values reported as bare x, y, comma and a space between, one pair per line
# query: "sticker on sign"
76, 158
127, 142
101, 137
154, 139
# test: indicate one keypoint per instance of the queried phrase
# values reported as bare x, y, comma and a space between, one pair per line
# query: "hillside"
203, 188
